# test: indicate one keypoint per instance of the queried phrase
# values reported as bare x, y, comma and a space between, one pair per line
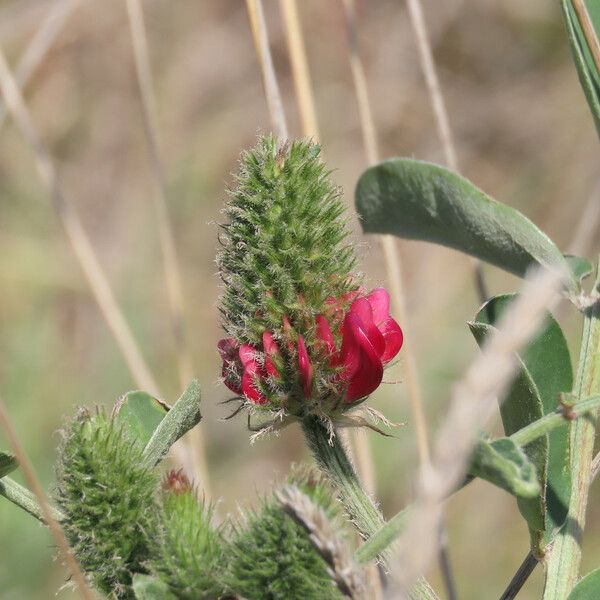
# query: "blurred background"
523, 134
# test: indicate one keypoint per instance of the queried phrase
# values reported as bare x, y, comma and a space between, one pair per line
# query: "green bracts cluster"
108, 498
135, 535
189, 551
272, 558
284, 246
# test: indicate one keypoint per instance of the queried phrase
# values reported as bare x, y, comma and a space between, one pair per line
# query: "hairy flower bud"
187, 550
108, 497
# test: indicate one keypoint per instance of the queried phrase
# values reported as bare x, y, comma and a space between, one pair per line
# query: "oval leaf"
544, 373
8, 463
146, 587
504, 464
418, 200
141, 413
588, 588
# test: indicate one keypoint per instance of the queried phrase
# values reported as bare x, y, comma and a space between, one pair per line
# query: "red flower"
370, 339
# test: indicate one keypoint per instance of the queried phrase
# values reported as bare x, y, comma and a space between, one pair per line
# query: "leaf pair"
422, 201
544, 372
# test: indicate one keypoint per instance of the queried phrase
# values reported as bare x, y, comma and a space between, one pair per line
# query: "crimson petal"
369, 372
306, 371
271, 349
393, 336
324, 334
362, 308
379, 300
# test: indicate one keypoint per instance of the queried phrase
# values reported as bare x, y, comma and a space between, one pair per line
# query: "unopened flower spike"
303, 337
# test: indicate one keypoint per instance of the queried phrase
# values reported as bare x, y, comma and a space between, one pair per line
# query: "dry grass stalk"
269, 77
473, 400
438, 104
314, 520
193, 444
300, 70
390, 252
76, 234
588, 29
53, 525
39, 45
78, 238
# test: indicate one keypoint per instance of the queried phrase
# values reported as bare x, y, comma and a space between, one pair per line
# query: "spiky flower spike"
108, 498
304, 337
271, 557
187, 550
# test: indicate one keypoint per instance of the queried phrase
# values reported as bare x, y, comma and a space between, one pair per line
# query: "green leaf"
146, 587
8, 463
588, 587
184, 415
504, 464
421, 201
544, 373
141, 413
579, 266
586, 69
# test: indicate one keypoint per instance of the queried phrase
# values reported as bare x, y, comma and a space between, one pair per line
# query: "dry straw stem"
438, 104
194, 445
76, 235
261, 43
588, 30
333, 551
39, 45
390, 253
46, 510
300, 71
78, 238
473, 401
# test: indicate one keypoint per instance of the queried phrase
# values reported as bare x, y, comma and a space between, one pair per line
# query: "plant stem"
390, 530
521, 576
24, 499
562, 564
332, 459
553, 420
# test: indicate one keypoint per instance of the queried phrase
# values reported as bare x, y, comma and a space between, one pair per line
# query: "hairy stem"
24, 499
562, 564
332, 459
549, 422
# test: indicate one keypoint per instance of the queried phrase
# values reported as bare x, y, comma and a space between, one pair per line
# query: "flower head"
303, 336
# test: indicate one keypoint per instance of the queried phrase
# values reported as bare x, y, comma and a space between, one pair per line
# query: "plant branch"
388, 533
332, 459
562, 564
549, 422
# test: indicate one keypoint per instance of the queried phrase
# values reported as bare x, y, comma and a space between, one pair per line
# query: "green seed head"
108, 498
188, 549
